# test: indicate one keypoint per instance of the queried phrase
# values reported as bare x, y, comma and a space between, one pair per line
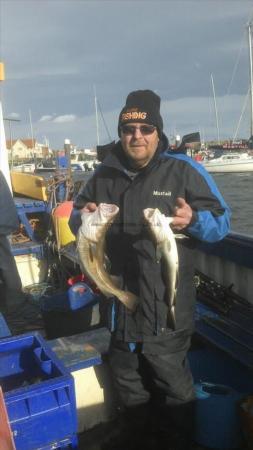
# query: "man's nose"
137, 133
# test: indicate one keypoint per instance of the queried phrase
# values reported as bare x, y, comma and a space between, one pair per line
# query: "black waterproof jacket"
130, 247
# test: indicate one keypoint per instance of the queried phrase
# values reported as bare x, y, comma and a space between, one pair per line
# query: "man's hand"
89, 207
182, 214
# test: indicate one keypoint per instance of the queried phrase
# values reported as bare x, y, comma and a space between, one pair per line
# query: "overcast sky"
57, 53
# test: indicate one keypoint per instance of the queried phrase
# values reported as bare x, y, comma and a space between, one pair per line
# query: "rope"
236, 65
242, 113
109, 136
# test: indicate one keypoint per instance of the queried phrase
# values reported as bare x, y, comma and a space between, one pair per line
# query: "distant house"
26, 149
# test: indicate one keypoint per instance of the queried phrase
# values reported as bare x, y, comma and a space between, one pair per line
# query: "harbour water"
237, 190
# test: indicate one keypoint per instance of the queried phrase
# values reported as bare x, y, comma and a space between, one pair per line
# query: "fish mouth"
93, 223
148, 213
108, 210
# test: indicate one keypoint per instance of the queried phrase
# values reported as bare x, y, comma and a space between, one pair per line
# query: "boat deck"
224, 333
230, 342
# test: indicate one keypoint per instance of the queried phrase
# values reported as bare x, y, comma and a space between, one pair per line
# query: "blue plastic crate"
67, 444
38, 392
4, 329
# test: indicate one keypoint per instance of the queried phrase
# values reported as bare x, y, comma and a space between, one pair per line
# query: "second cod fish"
166, 249
91, 250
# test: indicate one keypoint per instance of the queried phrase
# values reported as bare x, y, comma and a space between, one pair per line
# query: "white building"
26, 149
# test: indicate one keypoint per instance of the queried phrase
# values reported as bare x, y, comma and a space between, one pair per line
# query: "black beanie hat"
142, 106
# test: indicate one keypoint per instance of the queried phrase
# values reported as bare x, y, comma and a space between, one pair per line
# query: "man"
147, 354
10, 280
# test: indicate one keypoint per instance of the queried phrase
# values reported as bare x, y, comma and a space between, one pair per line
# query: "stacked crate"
39, 394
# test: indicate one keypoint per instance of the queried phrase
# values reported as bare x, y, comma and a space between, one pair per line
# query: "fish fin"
167, 244
176, 286
181, 236
92, 251
159, 252
107, 263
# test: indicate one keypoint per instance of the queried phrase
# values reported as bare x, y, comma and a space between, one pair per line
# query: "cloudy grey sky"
57, 51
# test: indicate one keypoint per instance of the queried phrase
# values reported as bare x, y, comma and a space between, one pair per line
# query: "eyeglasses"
131, 129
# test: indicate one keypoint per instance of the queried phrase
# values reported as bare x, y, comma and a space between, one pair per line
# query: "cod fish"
91, 251
166, 250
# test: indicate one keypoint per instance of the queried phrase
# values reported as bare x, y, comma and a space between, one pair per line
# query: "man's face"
139, 141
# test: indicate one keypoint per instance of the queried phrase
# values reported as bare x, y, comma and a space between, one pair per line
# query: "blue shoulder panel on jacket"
202, 171
207, 227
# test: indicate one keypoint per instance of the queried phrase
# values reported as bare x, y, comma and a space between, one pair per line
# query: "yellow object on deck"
2, 77
29, 185
61, 216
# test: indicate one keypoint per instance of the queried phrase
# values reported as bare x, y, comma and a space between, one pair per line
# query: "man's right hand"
89, 207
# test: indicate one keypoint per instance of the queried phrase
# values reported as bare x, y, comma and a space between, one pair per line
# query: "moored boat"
29, 185
28, 168
230, 163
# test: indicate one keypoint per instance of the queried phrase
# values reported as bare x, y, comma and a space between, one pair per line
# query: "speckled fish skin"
91, 250
165, 241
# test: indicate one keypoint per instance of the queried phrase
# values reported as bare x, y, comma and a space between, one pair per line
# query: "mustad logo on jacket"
162, 193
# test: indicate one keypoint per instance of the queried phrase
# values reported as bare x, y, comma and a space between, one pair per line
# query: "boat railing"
229, 262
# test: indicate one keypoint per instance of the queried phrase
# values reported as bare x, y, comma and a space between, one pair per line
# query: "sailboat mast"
96, 110
32, 136
31, 126
251, 78
216, 112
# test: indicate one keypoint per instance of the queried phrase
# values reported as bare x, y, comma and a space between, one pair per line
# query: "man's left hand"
182, 214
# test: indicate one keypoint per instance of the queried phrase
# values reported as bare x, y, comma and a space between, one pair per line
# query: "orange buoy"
61, 216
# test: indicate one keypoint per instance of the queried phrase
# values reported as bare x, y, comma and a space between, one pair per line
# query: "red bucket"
81, 277
77, 279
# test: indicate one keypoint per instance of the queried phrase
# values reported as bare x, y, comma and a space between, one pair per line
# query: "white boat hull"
229, 168
230, 163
